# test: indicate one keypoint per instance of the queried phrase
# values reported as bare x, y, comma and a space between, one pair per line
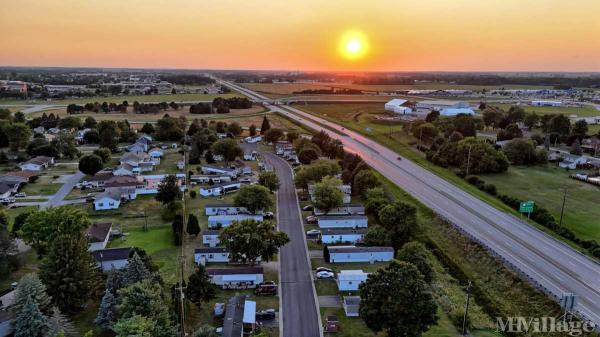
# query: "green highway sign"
526, 206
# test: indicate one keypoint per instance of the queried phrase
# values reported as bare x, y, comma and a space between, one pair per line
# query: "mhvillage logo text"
543, 325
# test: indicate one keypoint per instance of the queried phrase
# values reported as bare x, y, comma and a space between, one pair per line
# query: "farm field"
585, 111
544, 185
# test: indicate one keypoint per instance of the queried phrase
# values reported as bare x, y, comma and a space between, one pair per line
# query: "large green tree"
327, 194
400, 219
269, 180
315, 172
30, 287
60, 326
254, 198
135, 326
30, 322
363, 181
265, 125
247, 240
397, 300
415, 252
168, 190
273, 135
8, 248
228, 148
193, 227
90, 164
107, 311
199, 288
18, 135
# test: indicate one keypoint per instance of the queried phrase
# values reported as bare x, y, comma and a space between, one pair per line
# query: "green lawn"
168, 163
45, 185
585, 111
544, 185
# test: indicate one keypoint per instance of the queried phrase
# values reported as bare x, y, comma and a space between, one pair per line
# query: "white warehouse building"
440, 105
396, 106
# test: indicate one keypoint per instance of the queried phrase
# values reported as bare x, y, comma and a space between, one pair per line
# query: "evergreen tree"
265, 126
31, 287
206, 331
60, 325
136, 270
193, 228
30, 321
146, 299
199, 288
168, 190
8, 248
106, 313
116, 280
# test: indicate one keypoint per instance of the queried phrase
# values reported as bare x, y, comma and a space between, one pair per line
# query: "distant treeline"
385, 80
187, 79
140, 108
221, 105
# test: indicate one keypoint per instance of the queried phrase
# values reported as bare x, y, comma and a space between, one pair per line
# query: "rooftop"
97, 232
208, 250
112, 254
361, 249
234, 271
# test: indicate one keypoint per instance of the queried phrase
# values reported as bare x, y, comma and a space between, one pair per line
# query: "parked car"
7, 201
266, 314
312, 219
325, 274
319, 269
313, 232
308, 208
90, 199
20, 195
219, 309
266, 288
268, 215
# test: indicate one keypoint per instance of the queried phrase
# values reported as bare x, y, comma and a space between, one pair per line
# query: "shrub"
490, 189
193, 194
596, 252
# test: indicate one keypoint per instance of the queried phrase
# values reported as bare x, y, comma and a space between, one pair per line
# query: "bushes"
480, 184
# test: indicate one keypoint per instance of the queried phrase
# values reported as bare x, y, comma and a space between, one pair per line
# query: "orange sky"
403, 35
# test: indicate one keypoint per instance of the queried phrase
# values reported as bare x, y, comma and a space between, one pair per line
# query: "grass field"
585, 111
129, 98
544, 185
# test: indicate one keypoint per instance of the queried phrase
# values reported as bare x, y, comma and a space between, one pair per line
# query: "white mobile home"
210, 169
216, 190
217, 221
211, 255
236, 278
224, 209
349, 280
336, 236
353, 254
252, 140
113, 258
207, 178
343, 221
350, 209
210, 238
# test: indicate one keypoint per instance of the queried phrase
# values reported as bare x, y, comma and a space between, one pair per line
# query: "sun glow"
353, 45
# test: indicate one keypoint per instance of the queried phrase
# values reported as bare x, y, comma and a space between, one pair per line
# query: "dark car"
267, 314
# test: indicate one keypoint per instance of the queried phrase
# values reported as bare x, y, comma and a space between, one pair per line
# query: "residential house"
207, 178
142, 144
112, 258
107, 200
218, 221
343, 221
571, 162
37, 164
236, 278
126, 170
353, 254
336, 236
346, 189
218, 170
6, 190
281, 146
156, 153
250, 155
120, 182
349, 209
349, 280
140, 161
98, 235
152, 182
351, 306
99, 179
267, 167
224, 209
240, 317
211, 255
180, 165
219, 189
210, 238
252, 140
136, 147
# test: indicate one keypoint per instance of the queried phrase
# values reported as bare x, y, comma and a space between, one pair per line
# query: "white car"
269, 215
325, 274
313, 232
319, 269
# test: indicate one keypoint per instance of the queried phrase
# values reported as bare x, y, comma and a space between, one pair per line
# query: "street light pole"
464, 325
562, 209
469, 159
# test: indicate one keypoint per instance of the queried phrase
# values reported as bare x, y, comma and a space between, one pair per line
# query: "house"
210, 169
343, 221
252, 140
349, 209
152, 182
112, 258
126, 170
215, 190
353, 254
123, 181
142, 144
107, 200
396, 105
140, 160
439, 105
571, 162
240, 317
236, 278
246, 170
211, 255
333, 236
6, 190
456, 111
39, 130
349, 280
156, 153
546, 103
180, 165
99, 179
207, 178
351, 306
267, 167
250, 155
217, 221
347, 189
224, 209
136, 147
210, 238
7, 323
37, 164
98, 235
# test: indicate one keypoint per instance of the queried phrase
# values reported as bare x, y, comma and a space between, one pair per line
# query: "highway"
544, 261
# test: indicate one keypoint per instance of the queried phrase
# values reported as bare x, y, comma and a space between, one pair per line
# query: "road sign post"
526, 207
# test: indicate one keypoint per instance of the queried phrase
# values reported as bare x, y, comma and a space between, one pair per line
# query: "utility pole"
562, 209
469, 160
464, 325
420, 136
145, 221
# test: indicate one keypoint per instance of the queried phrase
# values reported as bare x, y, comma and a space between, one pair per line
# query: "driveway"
57, 199
330, 301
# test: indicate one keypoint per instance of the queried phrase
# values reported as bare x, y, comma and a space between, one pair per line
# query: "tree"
30, 322
307, 155
364, 180
510, 132
104, 153
90, 123
209, 157
580, 128
69, 123
377, 236
273, 135
170, 129
400, 219
168, 190
60, 325
206, 331
269, 180
265, 126
291, 136
147, 129
315, 172
199, 288
414, 252
92, 137
560, 124
30, 287
109, 134
18, 135
576, 148
409, 312
432, 116
252, 130
521, 152
135, 326
247, 240
235, 129
327, 194
426, 131
106, 314
254, 198
228, 148
8, 248
90, 164
531, 120
193, 228
375, 200
136, 270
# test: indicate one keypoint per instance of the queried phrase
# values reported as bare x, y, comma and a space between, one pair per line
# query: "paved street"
298, 308
546, 262
57, 199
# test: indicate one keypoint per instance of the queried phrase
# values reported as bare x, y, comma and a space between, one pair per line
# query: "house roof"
100, 177
210, 232
24, 174
221, 168
357, 275
134, 156
114, 195
234, 271
221, 185
234, 316
112, 254
208, 250
361, 249
121, 181
396, 102
12, 180
343, 231
4, 187
39, 160
342, 217
352, 300
234, 217
97, 232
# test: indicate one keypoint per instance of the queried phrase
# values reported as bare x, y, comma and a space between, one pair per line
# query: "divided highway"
546, 262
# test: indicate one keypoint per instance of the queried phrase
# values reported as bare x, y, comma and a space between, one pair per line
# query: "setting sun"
353, 45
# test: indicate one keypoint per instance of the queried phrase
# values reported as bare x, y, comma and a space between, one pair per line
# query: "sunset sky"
402, 35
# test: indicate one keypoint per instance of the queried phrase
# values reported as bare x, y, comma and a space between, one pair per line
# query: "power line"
181, 264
